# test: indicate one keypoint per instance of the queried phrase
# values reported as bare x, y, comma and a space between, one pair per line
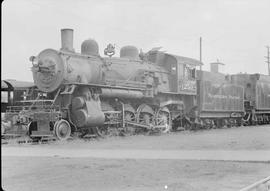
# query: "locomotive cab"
182, 71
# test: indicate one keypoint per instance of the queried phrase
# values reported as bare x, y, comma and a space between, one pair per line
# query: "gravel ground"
86, 173
251, 138
210, 155
242, 138
54, 173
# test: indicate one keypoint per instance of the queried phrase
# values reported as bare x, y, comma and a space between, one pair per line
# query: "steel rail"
255, 185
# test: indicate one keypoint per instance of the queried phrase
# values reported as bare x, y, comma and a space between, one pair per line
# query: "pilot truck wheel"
62, 130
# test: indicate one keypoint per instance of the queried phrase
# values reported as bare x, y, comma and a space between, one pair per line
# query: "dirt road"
63, 173
243, 138
183, 161
223, 155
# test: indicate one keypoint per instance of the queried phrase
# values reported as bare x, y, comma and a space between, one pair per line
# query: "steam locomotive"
133, 92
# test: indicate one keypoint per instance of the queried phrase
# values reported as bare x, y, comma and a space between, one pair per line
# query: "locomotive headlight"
33, 59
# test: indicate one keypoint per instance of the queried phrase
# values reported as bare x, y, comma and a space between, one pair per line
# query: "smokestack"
67, 40
214, 66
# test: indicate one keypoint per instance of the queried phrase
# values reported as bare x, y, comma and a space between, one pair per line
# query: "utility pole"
201, 52
268, 59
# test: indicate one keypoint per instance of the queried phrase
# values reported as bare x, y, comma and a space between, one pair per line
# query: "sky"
235, 32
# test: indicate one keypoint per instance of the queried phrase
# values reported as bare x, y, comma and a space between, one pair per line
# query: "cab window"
173, 69
190, 72
4, 97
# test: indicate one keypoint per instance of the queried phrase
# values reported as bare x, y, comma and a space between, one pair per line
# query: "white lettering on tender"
223, 96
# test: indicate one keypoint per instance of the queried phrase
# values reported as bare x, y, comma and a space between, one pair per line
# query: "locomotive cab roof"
159, 57
186, 60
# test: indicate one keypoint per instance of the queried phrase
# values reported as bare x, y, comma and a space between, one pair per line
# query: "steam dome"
90, 47
129, 52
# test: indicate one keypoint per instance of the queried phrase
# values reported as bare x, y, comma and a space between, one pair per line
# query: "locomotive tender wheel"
62, 130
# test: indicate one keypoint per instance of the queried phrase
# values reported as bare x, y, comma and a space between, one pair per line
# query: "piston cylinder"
86, 112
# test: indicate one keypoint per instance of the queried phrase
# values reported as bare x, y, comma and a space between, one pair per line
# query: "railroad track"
261, 185
26, 140
19, 139
16, 139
